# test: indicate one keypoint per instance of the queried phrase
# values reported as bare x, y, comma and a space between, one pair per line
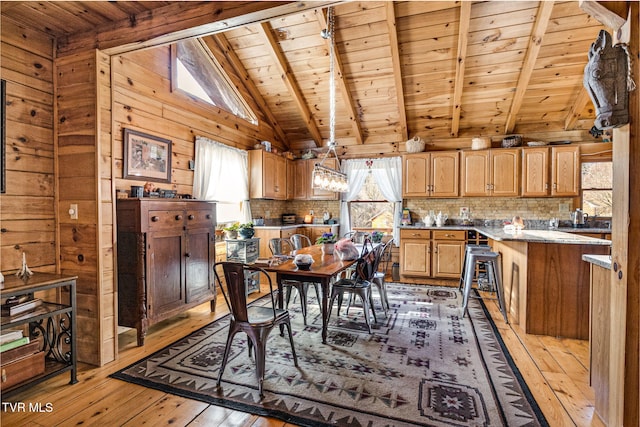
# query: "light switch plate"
73, 211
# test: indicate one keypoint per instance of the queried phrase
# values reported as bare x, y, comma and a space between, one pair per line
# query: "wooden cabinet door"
535, 172
301, 187
199, 256
475, 177
165, 272
316, 193
280, 182
445, 171
416, 257
505, 172
447, 258
291, 179
565, 171
416, 175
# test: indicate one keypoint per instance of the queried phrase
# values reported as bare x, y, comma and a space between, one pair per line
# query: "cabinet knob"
191, 217
208, 216
155, 218
178, 217
188, 255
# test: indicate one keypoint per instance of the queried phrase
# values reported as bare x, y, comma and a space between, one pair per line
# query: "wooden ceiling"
445, 71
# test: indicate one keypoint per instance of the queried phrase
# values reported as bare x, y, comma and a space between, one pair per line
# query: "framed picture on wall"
146, 157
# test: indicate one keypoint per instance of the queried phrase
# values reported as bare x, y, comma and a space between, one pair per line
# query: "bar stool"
493, 263
469, 249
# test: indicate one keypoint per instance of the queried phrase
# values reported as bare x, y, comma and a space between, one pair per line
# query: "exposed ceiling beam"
533, 49
397, 70
578, 106
458, 87
342, 82
179, 20
281, 63
239, 68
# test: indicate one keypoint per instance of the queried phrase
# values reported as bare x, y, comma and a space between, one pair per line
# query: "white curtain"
222, 174
387, 173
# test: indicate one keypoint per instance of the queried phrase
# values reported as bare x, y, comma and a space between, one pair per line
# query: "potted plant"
246, 231
376, 236
231, 231
327, 241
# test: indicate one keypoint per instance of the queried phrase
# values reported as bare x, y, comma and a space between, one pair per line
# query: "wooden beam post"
397, 70
463, 37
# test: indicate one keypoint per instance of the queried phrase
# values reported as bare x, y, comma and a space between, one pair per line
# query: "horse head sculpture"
605, 78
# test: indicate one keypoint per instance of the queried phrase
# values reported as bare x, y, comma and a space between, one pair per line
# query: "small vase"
327, 248
246, 233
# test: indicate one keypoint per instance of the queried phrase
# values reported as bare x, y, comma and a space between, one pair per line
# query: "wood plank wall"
80, 109
143, 101
27, 213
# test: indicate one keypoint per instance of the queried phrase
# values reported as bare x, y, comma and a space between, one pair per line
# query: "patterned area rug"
423, 365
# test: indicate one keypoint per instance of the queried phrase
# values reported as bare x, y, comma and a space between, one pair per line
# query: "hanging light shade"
324, 177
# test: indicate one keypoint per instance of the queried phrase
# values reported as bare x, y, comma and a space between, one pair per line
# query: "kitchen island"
545, 280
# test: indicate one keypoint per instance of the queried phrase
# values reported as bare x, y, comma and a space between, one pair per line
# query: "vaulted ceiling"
440, 70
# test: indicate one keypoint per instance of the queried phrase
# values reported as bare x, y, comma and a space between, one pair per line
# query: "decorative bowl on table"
303, 261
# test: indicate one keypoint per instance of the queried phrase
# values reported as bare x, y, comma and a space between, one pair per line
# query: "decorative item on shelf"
324, 177
246, 231
309, 155
327, 242
303, 261
537, 143
137, 191
24, 271
415, 145
346, 249
480, 143
231, 232
512, 141
376, 236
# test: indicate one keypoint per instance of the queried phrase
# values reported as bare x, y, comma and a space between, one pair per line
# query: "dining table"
322, 270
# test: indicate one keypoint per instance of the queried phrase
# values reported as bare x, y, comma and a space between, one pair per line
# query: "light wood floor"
556, 371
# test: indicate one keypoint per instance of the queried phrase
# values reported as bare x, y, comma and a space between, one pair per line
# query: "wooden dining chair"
254, 320
359, 284
300, 241
283, 246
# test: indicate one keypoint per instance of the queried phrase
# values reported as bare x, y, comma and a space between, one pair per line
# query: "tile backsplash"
493, 208
490, 208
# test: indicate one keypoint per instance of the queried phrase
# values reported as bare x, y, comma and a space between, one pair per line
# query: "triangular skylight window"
198, 73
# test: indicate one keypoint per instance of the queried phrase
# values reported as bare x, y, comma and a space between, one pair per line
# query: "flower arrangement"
376, 236
246, 225
326, 238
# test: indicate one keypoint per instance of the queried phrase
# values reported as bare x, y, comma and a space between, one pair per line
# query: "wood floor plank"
170, 410
212, 416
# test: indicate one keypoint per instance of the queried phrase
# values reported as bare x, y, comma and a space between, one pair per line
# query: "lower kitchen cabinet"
432, 253
166, 252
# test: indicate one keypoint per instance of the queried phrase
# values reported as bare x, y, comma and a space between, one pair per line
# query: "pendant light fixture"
324, 177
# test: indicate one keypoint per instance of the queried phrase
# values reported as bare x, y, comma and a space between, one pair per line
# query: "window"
370, 209
597, 188
196, 72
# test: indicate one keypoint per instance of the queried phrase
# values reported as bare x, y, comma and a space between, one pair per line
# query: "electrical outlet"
563, 207
73, 211
464, 211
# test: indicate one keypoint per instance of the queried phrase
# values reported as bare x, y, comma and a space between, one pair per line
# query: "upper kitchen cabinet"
432, 174
268, 175
565, 170
494, 172
564, 173
303, 170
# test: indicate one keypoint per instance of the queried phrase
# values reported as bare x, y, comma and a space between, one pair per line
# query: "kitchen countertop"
564, 235
289, 226
603, 261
